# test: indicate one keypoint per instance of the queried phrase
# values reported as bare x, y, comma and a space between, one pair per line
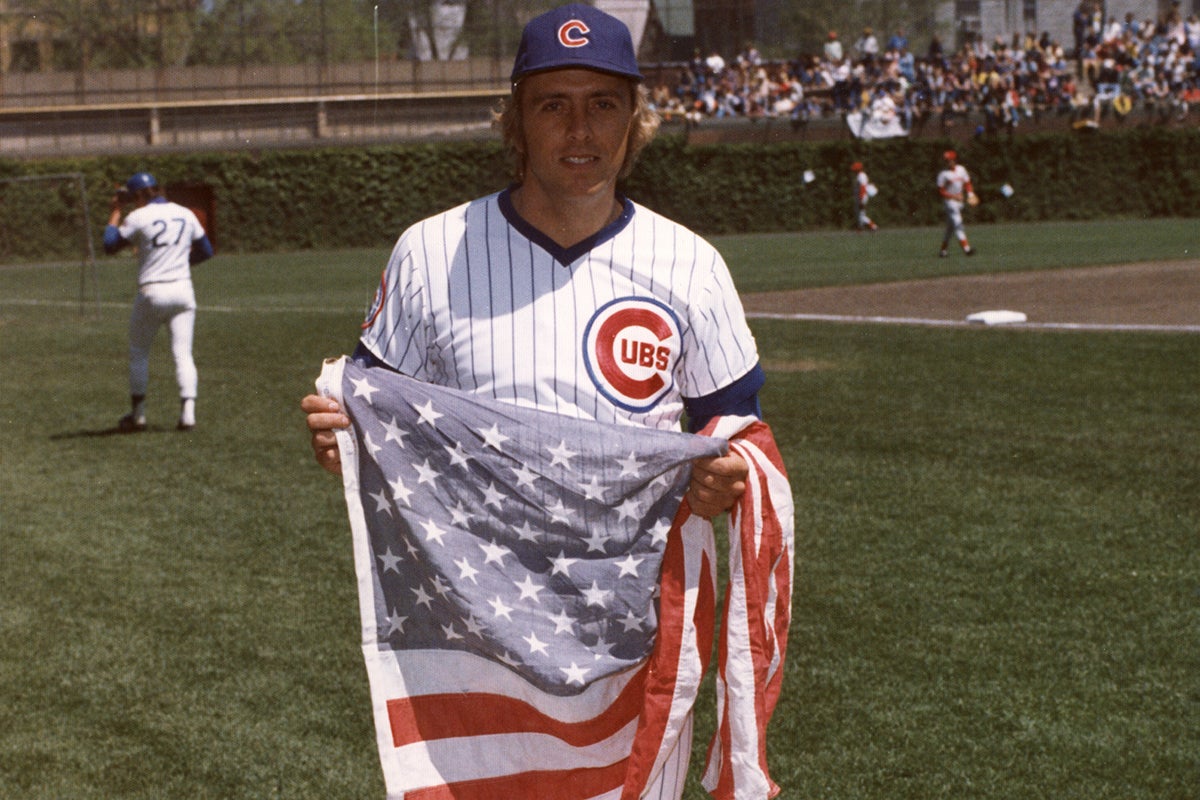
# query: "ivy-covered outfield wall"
354, 197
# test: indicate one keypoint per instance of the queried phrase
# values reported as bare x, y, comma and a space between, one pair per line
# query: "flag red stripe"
750, 694
545, 785
759, 576
781, 572
660, 688
441, 716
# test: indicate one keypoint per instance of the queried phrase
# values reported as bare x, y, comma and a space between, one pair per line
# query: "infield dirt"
1160, 293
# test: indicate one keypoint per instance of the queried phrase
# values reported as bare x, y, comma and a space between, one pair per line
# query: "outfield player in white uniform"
954, 186
169, 239
864, 190
560, 294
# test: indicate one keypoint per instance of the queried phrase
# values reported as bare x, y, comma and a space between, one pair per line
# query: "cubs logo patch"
377, 303
630, 347
573, 33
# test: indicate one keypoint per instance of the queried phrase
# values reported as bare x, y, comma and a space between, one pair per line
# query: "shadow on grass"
113, 431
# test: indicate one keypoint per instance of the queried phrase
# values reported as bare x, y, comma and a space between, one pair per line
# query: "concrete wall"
181, 84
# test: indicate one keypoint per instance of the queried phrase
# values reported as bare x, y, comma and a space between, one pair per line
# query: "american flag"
535, 600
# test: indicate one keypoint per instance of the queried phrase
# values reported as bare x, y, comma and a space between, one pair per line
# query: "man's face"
575, 126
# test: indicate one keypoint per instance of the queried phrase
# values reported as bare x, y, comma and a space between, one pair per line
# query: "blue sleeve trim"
112, 239
739, 398
365, 358
202, 250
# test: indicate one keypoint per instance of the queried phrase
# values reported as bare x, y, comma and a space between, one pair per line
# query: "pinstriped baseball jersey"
619, 328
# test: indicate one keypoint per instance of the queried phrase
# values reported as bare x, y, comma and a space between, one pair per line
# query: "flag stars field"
536, 645
562, 622
426, 473
492, 437
427, 414
628, 566
493, 496
389, 561
494, 553
394, 433
395, 624
423, 597
466, 571
592, 490
383, 503
562, 564
363, 388
561, 455
660, 531
399, 491
529, 590
631, 465
458, 456
596, 596
525, 476
500, 608
434, 532
629, 509
475, 501
575, 673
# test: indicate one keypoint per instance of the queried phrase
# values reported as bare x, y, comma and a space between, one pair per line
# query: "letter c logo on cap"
573, 33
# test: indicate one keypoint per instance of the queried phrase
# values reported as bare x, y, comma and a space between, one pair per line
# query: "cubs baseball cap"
141, 180
577, 36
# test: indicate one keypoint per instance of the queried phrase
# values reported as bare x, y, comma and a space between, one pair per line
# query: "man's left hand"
716, 484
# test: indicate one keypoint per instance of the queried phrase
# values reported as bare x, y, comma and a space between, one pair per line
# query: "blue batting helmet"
141, 180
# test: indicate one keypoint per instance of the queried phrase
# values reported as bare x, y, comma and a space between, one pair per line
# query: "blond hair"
507, 120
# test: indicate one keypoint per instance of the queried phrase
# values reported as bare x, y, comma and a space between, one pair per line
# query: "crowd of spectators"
1115, 66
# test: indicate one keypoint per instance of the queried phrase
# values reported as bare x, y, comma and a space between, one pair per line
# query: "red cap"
950, 155
856, 166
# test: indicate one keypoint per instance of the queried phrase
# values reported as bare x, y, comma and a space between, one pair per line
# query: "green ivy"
278, 200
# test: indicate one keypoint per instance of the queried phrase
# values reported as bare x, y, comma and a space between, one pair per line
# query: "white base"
997, 317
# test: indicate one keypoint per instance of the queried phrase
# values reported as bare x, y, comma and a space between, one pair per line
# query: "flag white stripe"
448, 672
493, 756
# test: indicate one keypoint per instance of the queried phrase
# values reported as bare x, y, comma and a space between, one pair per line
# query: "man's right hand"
324, 418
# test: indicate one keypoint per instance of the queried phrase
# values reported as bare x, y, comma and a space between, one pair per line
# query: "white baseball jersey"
863, 187
619, 328
954, 180
163, 233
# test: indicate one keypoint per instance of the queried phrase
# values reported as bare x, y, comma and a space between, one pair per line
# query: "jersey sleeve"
719, 348
395, 330
130, 226
198, 231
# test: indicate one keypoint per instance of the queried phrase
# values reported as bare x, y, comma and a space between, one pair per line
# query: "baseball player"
954, 186
864, 190
169, 240
558, 292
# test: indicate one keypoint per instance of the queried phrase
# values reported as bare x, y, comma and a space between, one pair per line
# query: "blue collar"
563, 255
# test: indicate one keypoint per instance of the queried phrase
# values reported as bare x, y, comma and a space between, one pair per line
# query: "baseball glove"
972, 199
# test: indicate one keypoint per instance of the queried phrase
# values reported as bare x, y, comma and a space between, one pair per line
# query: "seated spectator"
715, 64
935, 51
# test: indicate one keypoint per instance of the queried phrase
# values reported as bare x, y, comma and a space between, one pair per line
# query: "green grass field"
998, 538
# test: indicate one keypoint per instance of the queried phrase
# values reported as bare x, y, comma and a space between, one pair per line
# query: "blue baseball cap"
141, 180
577, 36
